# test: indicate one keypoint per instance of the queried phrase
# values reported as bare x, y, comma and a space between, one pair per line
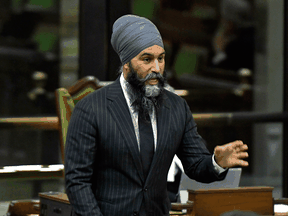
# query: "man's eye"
146, 59
160, 58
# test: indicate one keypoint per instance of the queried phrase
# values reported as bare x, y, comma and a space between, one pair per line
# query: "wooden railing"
202, 119
38, 123
52, 123
32, 172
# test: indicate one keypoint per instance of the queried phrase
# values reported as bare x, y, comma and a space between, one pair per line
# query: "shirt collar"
127, 90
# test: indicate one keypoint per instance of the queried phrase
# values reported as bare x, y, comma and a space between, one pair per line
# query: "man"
122, 138
233, 43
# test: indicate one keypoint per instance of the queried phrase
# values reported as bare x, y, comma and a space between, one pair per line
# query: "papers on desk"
184, 196
39, 168
176, 166
4, 207
177, 213
231, 180
280, 208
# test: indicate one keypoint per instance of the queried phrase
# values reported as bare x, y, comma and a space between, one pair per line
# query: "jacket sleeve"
80, 150
195, 157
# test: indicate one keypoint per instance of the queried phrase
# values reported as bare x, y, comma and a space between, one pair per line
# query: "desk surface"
56, 196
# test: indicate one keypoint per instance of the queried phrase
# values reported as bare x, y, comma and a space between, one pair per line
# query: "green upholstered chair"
66, 99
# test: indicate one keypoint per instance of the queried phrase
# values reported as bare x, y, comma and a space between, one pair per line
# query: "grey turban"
132, 34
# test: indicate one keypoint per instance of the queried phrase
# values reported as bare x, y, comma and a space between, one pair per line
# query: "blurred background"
227, 55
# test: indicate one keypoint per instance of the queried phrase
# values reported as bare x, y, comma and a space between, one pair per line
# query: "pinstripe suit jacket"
103, 170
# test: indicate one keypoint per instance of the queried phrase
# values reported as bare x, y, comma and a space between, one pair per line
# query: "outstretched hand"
231, 154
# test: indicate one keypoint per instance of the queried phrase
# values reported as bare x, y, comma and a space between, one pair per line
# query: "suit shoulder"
173, 97
94, 96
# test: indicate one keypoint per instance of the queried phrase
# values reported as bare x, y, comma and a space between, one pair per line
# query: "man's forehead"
153, 50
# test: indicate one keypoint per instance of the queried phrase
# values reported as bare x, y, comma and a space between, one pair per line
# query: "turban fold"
132, 34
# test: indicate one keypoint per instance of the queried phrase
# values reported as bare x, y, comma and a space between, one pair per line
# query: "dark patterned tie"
146, 144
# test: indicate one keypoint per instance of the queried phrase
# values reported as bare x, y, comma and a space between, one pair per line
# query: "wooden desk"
53, 203
214, 202
23, 208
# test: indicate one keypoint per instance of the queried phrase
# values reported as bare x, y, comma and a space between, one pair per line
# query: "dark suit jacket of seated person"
106, 173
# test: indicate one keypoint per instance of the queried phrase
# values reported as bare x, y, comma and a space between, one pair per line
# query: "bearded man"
122, 138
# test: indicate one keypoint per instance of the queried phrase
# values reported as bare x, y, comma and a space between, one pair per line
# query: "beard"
147, 96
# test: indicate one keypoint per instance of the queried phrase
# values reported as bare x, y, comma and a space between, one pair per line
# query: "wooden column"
93, 38
96, 55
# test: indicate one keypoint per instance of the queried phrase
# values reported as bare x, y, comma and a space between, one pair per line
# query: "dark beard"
143, 103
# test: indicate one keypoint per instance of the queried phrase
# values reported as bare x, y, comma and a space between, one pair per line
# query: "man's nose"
156, 66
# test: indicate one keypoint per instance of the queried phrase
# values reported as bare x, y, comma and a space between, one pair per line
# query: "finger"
238, 163
242, 155
242, 163
244, 147
240, 146
237, 143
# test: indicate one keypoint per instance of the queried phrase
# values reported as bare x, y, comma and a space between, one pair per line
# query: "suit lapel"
163, 126
121, 114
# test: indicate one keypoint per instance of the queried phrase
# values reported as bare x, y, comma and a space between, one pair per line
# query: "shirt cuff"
217, 168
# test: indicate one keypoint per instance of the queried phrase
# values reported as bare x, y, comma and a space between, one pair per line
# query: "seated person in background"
122, 138
233, 42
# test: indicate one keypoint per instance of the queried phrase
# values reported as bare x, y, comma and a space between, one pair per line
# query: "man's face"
150, 60
147, 78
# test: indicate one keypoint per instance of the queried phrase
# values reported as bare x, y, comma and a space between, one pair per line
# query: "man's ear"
126, 67
126, 70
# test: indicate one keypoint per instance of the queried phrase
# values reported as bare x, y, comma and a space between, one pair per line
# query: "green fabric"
67, 104
144, 8
186, 61
43, 3
82, 93
65, 108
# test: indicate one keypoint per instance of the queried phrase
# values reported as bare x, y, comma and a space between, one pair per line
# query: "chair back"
66, 100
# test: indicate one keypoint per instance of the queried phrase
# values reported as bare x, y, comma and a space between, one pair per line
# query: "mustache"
153, 75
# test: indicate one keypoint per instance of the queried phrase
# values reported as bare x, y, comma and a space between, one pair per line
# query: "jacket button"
145, 189
135, 213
